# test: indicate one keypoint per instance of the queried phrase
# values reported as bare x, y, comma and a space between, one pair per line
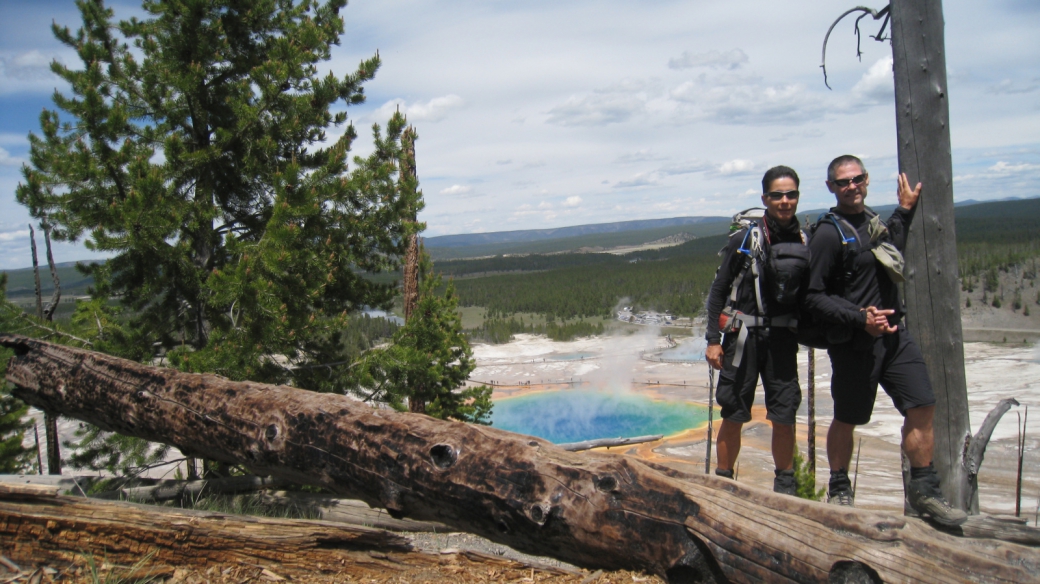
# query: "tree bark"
36, 272
50, 423
48, 312
41, 527
932, 292
592, 509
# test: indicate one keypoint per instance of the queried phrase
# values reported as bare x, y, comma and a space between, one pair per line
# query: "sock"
839, 480
920, 472
784, 473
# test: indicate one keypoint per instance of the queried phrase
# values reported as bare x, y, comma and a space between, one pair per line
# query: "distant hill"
529, 235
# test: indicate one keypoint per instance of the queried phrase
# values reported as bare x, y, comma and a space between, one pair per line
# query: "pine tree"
201, 159
14, 458
428, 359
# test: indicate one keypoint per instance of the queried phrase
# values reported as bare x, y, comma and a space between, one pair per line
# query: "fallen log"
41, 527
592, 509
607, 442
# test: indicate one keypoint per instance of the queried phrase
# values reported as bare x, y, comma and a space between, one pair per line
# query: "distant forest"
990, 237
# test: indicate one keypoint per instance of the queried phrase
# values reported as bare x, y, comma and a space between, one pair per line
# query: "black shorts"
771, 354
892, 360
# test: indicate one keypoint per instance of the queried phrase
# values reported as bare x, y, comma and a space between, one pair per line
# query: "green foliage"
96, 449
498, 331
14, 458
428, 360
192, 147
996, 301
806, 480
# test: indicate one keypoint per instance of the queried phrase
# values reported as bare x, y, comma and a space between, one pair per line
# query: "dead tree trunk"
592, 509
48, 312
36, 272
932, 290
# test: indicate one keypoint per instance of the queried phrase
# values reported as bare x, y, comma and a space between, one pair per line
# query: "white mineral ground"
994, 372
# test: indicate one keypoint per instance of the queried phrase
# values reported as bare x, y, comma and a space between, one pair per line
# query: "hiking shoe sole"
936, 509
841, 499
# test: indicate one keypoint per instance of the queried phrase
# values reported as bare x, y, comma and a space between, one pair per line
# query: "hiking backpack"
784, 265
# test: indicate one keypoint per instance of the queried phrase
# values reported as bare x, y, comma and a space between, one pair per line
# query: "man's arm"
717, 296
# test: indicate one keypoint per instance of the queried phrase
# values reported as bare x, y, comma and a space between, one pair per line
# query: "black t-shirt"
869, 284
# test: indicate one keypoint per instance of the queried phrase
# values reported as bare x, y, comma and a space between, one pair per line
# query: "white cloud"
456, 190
745, 102
26, 71
643, 179
876, 86
596, 109
572, 201
435, 110
731, 59
738, 166
687, 167
1009, 87
1002, 167
7, 160
641, 155
22, 234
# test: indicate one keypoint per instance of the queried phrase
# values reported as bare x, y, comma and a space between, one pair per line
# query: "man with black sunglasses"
856, 264
757, 304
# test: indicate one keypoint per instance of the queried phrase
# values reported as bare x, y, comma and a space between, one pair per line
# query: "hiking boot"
839, 490
726, 474
926, 498
784, 483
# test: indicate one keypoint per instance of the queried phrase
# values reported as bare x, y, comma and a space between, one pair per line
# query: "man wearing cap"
761, 344
856, 257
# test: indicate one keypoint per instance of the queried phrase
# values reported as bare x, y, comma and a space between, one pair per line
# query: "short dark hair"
778, 172
842, 161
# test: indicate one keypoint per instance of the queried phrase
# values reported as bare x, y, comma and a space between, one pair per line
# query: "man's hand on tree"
877, 320
714, 355
907, 198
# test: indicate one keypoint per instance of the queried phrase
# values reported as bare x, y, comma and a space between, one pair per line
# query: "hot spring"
577, 415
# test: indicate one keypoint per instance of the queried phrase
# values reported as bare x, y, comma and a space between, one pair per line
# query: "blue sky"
541, 114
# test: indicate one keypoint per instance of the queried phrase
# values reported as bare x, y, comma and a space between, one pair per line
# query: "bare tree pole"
39, 457
932, 292
48, 313
36, 273
811, 390
50, 423
711, 411
1021, 454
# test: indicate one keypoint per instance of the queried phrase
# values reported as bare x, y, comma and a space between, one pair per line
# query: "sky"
536, 114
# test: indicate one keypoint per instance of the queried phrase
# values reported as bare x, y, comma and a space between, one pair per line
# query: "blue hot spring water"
577, 415
692, 350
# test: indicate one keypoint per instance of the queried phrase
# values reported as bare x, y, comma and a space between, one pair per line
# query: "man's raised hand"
907, 197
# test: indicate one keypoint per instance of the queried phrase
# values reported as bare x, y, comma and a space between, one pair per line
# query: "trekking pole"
855, 474
1021, 452
711, 409
811, 390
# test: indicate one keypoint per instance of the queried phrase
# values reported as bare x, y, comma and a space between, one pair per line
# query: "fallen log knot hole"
851, 572
606, 484
539, 513
443, 455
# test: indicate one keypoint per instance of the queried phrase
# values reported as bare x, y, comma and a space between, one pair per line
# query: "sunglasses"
844, 182
777, 195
